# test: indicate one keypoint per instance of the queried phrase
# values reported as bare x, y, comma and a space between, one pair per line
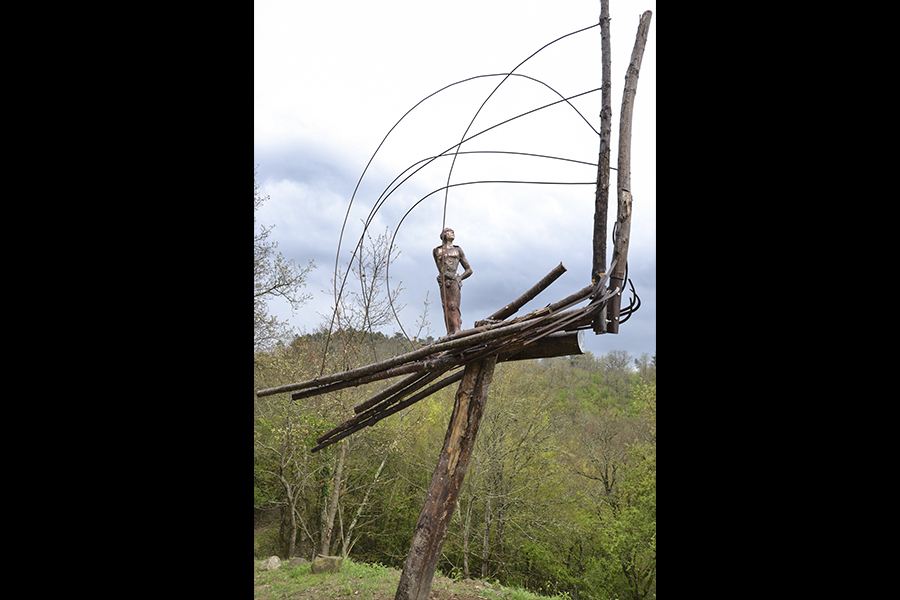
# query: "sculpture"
447, 258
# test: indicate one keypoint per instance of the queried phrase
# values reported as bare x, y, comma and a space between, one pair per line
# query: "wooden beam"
431, 528
563, 343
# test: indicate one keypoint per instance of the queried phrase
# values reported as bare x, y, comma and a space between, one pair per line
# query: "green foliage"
559, 498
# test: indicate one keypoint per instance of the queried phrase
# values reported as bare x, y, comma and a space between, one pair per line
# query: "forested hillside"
560, 492
560, 495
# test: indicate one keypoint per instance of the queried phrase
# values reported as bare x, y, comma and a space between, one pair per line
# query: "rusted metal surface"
448, 258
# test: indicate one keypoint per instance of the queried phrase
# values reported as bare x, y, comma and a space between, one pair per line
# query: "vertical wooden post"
623, 215
431, 529
601, 200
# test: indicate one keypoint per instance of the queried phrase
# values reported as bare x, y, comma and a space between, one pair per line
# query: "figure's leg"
445, 306
454, 319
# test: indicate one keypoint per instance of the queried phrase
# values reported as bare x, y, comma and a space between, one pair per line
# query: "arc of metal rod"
362, 175
397, 229
475, 116
381, 201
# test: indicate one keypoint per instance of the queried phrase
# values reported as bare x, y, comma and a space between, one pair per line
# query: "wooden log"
431, 528
601, 199
380, 414
623, 215
555, 344
351, 373
579, 296
445, 343
365, 414
388, 391
558, 344
431, 364
379, 370
562, 343
540, 286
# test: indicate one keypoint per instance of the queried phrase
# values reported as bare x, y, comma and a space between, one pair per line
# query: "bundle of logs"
554, 330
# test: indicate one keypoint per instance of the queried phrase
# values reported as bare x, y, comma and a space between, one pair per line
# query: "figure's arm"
465, 264
437, 263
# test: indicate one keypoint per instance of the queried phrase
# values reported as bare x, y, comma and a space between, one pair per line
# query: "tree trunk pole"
431, 529
601, 200
623, 216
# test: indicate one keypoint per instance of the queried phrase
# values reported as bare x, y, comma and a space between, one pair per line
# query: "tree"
646, 367
359, 313
273, 277
283, 468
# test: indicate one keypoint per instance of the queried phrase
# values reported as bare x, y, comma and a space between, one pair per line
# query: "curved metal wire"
362, 175
625, 313
397, 229
337, 293
382, 198
381, 201
457, 185
475, 116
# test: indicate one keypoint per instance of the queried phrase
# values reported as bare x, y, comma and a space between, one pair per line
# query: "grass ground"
360, 581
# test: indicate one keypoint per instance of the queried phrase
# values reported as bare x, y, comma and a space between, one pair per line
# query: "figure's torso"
447, 260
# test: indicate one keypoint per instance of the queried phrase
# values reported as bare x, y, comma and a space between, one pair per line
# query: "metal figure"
447, 258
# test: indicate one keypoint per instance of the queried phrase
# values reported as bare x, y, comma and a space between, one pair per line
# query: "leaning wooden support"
388, 391
512, 307
379, 407
431, 364
431, 528
343, 430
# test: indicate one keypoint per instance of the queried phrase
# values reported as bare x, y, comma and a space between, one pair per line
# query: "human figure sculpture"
448, 257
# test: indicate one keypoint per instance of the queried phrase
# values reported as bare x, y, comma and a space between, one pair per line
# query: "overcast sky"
331, 80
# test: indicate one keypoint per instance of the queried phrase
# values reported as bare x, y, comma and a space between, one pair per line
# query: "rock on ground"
270, 564
326, 564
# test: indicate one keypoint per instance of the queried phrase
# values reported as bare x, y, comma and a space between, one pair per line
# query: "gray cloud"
312, 148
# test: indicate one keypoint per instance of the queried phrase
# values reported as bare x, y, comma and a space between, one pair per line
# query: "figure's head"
447, 234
